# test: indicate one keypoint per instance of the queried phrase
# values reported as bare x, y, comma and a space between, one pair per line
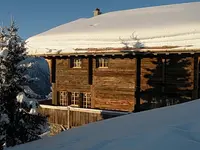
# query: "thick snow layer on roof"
170, 128
168, 25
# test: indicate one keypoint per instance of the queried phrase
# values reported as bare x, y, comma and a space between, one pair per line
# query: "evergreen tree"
17, 121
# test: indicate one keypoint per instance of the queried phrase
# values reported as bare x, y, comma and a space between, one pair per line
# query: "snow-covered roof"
176, 25
170, 128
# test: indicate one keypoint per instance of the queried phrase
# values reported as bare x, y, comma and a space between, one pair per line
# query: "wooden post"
92, 65
53, 80
137, 89
49, 62
163, 74
196, 78
90, 70
68, 117
164, 79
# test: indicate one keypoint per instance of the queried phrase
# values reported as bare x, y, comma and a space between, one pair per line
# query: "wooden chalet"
118, 81
125, 78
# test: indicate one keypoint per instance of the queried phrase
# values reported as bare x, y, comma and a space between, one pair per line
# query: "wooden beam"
53, 80
163, 74
53, 70
196, 77
138, 80
90, 70
54, 94
49, 61
68, 118
96, 111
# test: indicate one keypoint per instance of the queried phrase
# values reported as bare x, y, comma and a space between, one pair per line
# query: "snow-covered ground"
171, 128
168, 25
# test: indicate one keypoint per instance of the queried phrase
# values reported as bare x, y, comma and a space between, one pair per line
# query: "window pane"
76, 63
63, 100
75, 98
103, 62
86, 100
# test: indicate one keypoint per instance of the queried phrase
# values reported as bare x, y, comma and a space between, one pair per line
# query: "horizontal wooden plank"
96, 111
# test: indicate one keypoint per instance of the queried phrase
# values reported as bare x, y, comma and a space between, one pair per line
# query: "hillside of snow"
38, 71
171, 128
176, 25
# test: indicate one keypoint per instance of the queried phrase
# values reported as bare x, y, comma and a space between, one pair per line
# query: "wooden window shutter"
90, 70
106, 62
81, 100
70, 62
97, 62
58, 97
69, 98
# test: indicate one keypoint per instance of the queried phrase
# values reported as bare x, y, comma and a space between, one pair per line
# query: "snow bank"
170, 128
168, 25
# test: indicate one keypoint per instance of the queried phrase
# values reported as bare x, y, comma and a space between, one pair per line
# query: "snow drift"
176, 25
174, 127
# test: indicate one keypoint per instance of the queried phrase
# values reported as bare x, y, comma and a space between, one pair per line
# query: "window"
75, 99
86, 100
102, 63
76, 63
63, 97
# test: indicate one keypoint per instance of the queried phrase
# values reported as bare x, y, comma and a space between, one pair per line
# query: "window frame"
63, 98
103, 62
76, 63
75, 99
87, 103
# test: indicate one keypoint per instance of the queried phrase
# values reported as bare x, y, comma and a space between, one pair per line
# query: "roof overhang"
146, 53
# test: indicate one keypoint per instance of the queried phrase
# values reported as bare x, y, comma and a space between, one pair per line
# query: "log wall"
72, 79
167, 78
114, 88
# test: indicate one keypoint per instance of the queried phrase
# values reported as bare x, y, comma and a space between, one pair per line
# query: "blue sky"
36, 16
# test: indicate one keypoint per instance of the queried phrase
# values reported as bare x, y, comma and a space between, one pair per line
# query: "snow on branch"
30, 102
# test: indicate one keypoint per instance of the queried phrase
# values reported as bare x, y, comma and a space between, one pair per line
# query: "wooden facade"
128, 82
